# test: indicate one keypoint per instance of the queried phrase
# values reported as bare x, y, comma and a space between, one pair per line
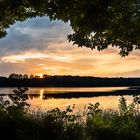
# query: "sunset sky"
38, 46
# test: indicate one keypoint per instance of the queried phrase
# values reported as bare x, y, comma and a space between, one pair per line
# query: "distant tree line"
26, 76
24, 80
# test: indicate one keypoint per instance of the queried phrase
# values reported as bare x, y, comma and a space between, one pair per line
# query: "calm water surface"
45, 98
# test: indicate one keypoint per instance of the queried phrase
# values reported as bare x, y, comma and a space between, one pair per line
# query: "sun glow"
40, 75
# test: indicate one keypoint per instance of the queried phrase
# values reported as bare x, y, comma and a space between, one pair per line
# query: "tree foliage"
96, 24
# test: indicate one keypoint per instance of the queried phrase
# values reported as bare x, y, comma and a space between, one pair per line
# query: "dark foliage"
18, 80
96, 23
94, 124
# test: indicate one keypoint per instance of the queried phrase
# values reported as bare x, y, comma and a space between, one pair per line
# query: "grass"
19, 123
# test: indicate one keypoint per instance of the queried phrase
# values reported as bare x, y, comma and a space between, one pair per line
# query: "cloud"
133, 73
40, 46
8, 68
33, 34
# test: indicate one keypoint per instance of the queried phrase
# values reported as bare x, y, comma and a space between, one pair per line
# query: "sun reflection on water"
41, 93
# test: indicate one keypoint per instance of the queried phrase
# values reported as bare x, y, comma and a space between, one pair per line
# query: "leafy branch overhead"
97, 24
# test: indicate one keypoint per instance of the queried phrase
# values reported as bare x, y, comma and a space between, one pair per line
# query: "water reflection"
41, 93
106, 102
46, 93
77, 89
48, 98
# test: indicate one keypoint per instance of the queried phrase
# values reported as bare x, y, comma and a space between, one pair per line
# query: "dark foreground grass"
18, 123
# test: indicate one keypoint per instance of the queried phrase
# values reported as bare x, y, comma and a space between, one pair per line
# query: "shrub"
18, 123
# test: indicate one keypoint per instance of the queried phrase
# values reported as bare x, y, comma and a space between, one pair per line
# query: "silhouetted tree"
25, 76
45, 76
18, 76
37, 77
31, 76
13, 75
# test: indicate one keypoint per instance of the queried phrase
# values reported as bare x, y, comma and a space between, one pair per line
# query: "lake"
48, 98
